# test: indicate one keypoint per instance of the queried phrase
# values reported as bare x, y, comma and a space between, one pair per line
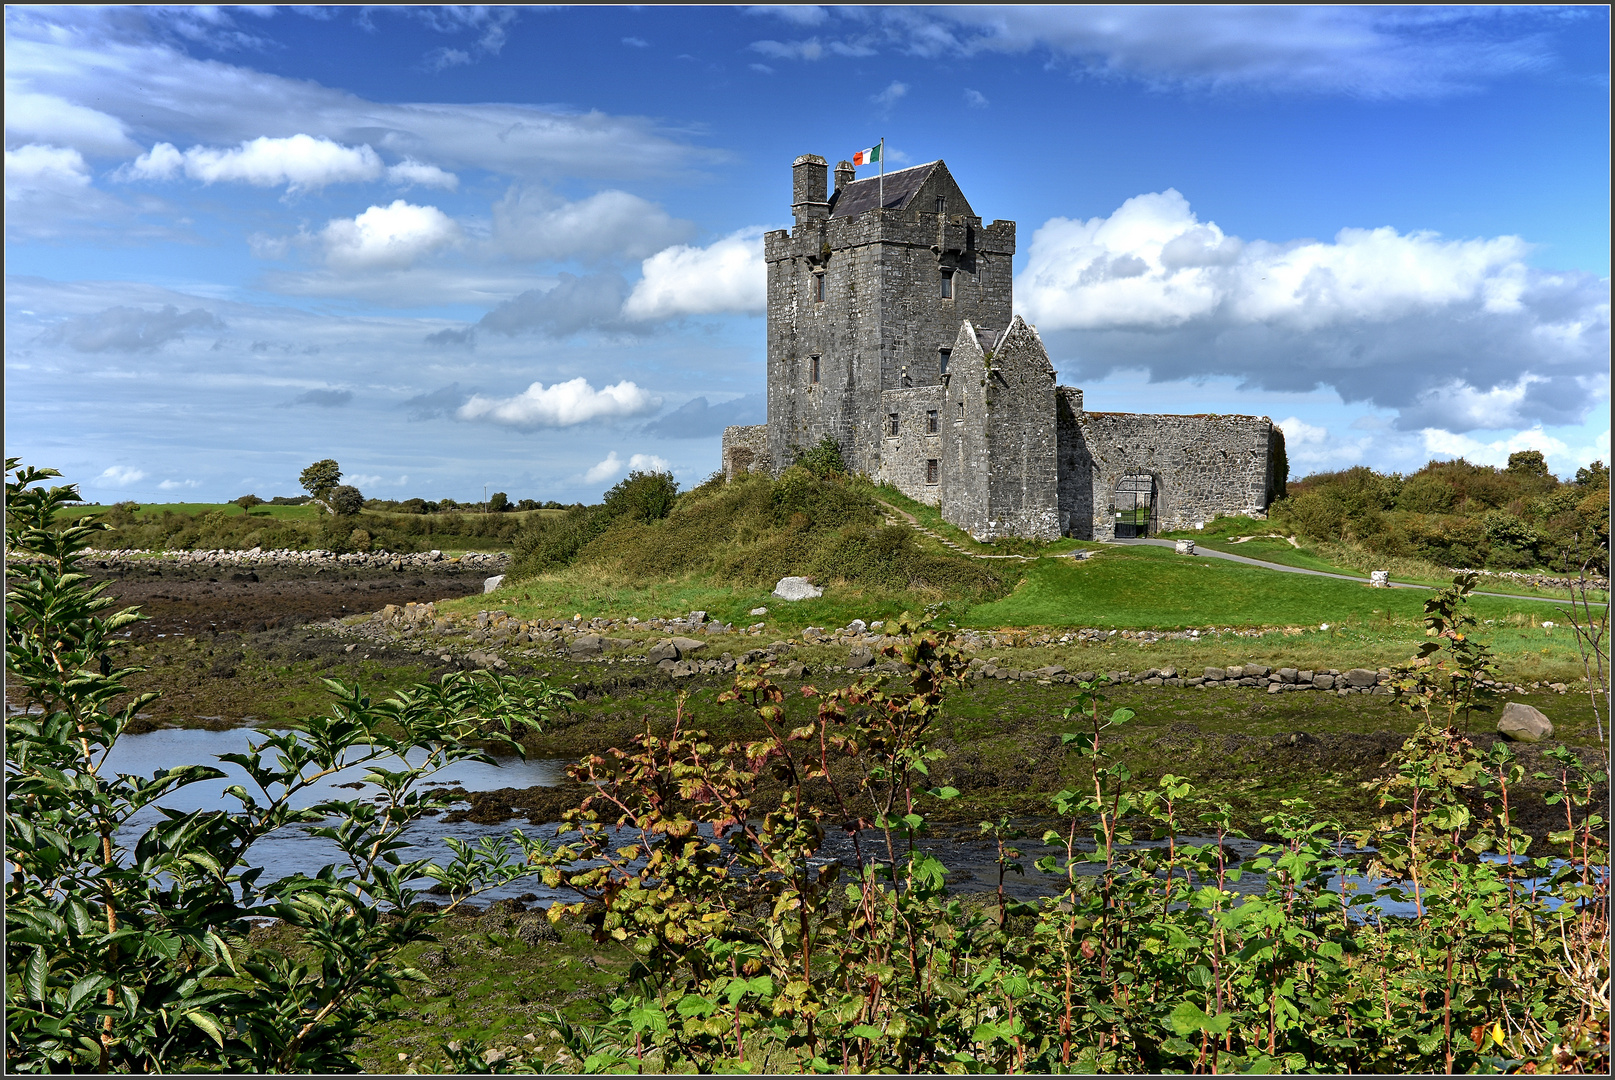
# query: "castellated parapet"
891, 330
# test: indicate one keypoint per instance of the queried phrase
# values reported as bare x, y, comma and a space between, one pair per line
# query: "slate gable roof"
901, 186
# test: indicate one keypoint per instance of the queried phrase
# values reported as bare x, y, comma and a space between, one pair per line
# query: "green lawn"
155, 510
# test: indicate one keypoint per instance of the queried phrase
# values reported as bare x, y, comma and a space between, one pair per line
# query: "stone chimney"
808, 193
845, 174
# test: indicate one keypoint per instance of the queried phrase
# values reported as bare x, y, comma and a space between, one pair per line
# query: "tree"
1528, 463
247, 502
319, 478
345, 499
1592, 476
499, 503
130, 953
641, 496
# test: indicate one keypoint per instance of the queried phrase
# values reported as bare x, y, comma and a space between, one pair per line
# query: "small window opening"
815, 369
961, 417
947, 284
891, 424
818, 288
942, 358
931, 424
941, 205
932, 468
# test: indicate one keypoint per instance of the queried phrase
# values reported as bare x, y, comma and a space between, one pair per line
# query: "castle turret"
845, 174
808, 193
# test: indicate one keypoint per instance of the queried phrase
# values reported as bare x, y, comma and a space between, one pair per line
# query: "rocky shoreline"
491, 562
676, 648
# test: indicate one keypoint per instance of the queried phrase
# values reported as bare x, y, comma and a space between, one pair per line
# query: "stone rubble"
680, 652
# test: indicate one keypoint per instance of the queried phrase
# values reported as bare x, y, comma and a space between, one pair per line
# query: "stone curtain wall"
1074, 466
745, 449
1203, 465
883, 318
903, 457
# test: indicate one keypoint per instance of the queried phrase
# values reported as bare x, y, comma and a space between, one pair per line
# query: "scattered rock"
759, 611
861, 658
797, 588
493, 583
1360, 677
1522, 723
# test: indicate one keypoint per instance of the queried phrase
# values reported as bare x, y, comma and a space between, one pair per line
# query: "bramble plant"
755, 954
126, 945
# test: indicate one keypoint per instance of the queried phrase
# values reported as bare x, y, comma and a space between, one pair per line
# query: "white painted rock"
493, 583
1379, 579
1185, 547
1522, 723
796, 588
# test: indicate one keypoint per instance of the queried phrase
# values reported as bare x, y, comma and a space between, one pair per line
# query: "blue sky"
521, 248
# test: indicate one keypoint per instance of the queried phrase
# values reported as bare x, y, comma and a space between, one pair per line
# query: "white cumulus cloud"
613, 465
388, 236
1299, 431
561, 404
725, 276
178, 485
301, 162
119, 476
1453, 333
36, 168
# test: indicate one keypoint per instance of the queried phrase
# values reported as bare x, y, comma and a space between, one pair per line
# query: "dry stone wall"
745, 449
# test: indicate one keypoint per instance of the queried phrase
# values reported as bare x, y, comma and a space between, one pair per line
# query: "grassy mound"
753, 531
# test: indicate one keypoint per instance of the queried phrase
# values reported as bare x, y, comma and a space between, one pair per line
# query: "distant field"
305, 512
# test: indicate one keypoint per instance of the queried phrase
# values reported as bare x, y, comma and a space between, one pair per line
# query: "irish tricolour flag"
867, 157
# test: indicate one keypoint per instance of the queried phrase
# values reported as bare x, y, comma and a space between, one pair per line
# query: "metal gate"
1134, 504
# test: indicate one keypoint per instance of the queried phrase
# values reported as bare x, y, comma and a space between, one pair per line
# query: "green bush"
345, 499
641, 496
130, 953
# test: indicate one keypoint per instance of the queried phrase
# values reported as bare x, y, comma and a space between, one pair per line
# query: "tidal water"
970, 857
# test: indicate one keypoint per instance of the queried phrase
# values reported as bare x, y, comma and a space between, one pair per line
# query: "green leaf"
208, 1024
34, 974
695, 1005
864, 1031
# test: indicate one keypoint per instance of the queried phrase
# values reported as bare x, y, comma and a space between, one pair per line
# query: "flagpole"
882, 185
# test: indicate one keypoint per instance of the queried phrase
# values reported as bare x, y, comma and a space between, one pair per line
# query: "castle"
891, 329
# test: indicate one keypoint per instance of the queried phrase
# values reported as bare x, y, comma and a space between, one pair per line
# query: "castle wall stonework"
1202, 466
745, 449
893, 299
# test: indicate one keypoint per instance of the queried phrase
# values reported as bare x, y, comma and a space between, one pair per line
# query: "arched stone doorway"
1135, 505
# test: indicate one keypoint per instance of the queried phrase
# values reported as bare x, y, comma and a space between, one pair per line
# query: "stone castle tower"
891, 329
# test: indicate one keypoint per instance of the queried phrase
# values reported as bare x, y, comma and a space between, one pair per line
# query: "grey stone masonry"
745, 449
893, 300
1201, 466
856, 302
1000, 443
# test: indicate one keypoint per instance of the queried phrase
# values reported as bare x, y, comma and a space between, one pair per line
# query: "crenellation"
865, 298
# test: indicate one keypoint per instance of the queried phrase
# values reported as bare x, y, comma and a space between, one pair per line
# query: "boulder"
797, 588
1522, 723
662, 652
759, 611
1360, 677
1323, 681
686, 646
861, 658
586, 645
1288, 675
493, 583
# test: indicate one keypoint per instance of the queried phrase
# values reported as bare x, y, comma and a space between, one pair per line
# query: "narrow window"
947, 284
931, 470
931, 424
941, 205
891, 424
818, 288
961, 417
942, 357
815, 369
